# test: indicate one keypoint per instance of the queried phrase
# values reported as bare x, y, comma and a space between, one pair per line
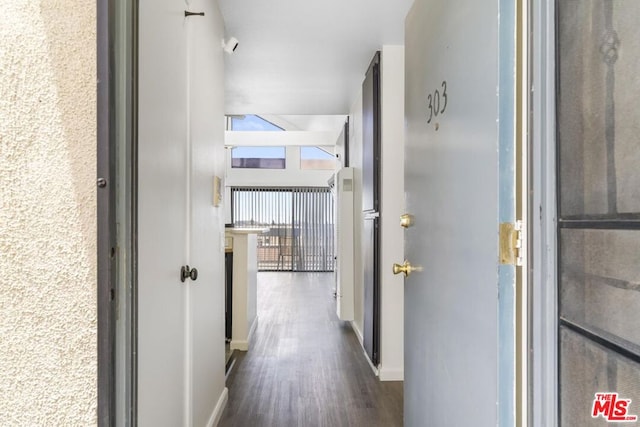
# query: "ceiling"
304, 57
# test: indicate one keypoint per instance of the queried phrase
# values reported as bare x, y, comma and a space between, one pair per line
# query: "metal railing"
300, 222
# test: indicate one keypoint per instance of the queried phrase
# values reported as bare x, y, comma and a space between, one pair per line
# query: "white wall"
292, 175
355, 161
48, 358
391, 207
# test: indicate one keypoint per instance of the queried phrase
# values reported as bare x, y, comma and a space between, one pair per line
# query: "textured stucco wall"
47, 212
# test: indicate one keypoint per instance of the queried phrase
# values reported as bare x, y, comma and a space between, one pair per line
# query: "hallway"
304, 366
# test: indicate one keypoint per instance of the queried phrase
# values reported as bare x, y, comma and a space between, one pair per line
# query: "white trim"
366, 357
280, 139
230, 368
243, 345
217, 411
543, 367
390, 374
355, 328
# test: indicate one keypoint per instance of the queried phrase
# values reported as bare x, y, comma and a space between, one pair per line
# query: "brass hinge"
511, 243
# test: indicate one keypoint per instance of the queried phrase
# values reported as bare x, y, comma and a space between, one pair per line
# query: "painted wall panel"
355, 160
392, 206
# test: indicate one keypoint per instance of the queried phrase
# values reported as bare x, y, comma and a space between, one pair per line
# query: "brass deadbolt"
406, 220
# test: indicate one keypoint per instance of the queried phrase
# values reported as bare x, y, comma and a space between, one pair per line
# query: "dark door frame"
106, 222
116, 209
347, 149
371, 333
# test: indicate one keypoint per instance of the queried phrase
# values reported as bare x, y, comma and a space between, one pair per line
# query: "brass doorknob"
406, 220
405, 268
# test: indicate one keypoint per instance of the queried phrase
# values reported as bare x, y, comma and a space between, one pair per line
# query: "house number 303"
437, 101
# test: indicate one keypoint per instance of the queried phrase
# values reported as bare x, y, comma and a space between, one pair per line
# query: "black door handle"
188, 273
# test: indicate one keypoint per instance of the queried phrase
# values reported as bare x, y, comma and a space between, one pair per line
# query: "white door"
206, 221
181, 148
162, 221
459, 187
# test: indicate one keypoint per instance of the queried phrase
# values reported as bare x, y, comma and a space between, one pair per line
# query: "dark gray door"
371, 137
599, 207
371, 277
371, 208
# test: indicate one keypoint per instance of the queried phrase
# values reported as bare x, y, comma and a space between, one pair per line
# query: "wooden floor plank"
305, 368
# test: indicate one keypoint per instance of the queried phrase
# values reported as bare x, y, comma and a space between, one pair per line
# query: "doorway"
159, 359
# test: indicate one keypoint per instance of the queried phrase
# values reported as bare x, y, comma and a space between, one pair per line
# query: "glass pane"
266, 208
252, 122
258, 157
587, 368
600, 283
300, 223
316, 158
598, 117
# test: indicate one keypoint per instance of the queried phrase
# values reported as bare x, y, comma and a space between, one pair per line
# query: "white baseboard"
357, 330
239, 345
390, 374
217, 411
373, 368
243, 345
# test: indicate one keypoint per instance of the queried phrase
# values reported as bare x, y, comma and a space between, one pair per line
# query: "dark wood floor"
305, 367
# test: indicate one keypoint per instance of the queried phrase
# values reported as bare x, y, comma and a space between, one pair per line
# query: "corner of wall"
391, 374
392, 206
355, 160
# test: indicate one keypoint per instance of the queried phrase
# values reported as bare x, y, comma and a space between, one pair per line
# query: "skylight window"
251, 122
316, 158
258, 157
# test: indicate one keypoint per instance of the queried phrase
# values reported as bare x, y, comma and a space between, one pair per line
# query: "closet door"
162, 180
205, 221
